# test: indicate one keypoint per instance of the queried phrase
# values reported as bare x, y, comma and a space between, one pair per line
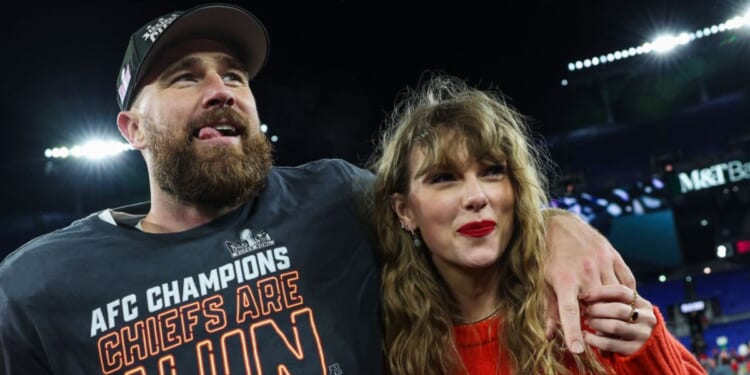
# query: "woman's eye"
494, 170
440, 177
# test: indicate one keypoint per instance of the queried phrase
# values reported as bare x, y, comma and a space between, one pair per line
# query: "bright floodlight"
721, 251
263, 128
274, 138
96, 149
662, 278
666, 43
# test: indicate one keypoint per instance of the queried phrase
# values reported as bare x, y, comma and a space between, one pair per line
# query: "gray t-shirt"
287, 283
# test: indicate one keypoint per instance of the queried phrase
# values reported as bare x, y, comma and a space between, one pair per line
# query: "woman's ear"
400, 206
129, 124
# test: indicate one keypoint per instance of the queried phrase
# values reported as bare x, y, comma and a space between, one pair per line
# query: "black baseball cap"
239, 29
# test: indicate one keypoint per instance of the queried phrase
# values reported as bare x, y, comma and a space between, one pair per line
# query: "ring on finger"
633, 316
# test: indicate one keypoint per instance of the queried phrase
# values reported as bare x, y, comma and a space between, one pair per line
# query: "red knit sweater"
662, 354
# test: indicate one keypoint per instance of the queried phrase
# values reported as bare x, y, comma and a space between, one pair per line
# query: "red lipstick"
477, 228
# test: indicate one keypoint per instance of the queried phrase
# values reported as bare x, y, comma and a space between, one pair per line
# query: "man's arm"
580, 258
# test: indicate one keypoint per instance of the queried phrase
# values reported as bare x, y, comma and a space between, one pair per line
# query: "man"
233, 266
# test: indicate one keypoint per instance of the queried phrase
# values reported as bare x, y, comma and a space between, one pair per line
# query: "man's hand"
580, 259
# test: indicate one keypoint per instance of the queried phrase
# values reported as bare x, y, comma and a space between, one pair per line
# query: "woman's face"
464, 213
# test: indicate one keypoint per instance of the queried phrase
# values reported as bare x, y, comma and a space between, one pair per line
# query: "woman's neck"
475, 293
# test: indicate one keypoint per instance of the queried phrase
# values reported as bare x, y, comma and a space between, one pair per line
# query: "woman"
458, 206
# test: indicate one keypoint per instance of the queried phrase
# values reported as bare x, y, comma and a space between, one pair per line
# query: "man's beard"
217, 176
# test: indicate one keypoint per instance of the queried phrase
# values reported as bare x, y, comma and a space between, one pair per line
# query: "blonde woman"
458, 200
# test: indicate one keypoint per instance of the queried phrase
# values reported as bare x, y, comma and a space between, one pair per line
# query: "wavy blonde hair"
442, 117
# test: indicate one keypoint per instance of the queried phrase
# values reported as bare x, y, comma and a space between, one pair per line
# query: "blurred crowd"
727, 361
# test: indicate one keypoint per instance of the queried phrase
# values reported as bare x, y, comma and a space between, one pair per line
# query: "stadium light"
94, 150
721, 251
666, 43
663, 43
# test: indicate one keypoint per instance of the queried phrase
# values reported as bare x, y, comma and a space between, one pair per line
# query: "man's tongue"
208, 133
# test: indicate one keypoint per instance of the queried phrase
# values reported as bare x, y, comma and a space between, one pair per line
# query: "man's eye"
440, 177
234, 77
185, 77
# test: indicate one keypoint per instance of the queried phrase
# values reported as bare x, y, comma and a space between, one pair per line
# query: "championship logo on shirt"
249, 242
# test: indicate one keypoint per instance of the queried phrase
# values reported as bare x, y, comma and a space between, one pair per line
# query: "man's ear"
405, 214
129, 124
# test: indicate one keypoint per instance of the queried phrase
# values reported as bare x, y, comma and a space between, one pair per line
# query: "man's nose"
217, 93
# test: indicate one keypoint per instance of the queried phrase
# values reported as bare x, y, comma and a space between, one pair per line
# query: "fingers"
622, 320
605, 258
609, 344
609, 310
618, 329
580, 259
616, 335
570, 318
624, 274
611, 292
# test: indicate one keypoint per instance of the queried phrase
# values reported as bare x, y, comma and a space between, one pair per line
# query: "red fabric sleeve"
661, 354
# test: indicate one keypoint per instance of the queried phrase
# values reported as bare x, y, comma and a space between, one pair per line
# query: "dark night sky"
335, 68
342, 61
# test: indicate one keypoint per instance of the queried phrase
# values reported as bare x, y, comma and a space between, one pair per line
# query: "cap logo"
153, 31
124, 82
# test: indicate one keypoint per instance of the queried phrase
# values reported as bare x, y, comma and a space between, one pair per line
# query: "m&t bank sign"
715, 175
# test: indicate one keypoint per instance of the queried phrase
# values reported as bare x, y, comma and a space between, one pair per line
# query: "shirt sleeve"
661, 354
21, 352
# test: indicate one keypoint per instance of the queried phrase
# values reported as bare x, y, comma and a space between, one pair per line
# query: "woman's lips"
477, 228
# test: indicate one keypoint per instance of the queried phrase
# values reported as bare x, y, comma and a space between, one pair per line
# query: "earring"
415, 237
